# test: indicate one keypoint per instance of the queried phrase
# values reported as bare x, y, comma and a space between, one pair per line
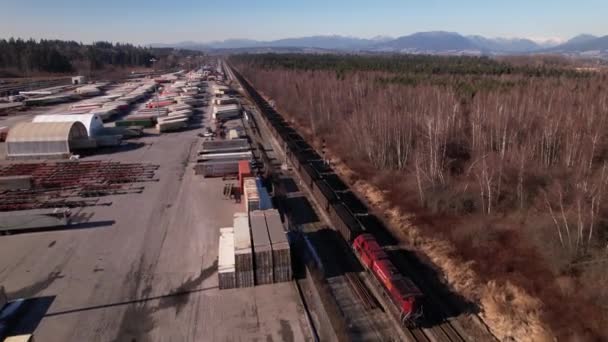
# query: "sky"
170, 21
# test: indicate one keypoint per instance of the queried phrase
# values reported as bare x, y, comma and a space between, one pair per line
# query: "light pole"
153, 60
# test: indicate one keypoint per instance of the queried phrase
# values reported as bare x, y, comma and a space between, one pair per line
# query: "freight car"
323, 194
347, 213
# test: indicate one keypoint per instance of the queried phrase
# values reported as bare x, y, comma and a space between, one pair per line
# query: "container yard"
115, 243
233, 225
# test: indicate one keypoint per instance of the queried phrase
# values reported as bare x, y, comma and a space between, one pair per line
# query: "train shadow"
299, 211
440, 303
333, 255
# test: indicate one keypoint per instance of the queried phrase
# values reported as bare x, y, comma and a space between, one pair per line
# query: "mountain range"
436, 42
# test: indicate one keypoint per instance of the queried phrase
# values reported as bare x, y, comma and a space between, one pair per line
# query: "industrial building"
45, 139
92, 122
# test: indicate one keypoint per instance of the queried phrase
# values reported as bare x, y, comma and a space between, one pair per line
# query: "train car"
353, 203
348, 214
344, 222
335, 183
307, 175
401, 291
323, 194
320, 167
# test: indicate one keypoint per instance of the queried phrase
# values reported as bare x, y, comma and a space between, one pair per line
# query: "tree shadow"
179, 296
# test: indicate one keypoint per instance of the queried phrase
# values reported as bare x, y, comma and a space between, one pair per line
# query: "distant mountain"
514, 45
581, 38
382, 39
322, 42
438, 41
582, 44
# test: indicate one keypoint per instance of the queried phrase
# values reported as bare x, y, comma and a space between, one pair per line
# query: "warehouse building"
46, 139
92, 122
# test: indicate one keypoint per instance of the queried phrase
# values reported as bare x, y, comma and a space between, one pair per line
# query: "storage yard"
139, 261
185, 208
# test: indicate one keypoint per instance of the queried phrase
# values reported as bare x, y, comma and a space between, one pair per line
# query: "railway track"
442, 330
368, 301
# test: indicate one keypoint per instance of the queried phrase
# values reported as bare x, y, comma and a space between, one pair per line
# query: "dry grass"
509, 312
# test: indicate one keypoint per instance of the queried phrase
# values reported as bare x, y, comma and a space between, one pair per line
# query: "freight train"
346, 212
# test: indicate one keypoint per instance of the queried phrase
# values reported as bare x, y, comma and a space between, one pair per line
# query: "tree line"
57, 56
408, 64
518, 152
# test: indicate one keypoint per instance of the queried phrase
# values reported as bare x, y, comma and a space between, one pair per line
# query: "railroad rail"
443, 330
73, 184
15, 88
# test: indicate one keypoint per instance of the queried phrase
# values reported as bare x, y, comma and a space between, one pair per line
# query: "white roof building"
92, 122
44, 139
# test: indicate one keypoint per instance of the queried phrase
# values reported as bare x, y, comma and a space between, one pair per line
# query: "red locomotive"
401, 290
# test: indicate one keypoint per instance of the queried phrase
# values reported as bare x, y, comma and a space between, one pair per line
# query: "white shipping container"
217, 168
227, 156
226, 259
252, 196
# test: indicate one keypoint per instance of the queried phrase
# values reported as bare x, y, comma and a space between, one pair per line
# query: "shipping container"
217, 168
265, 200
250, 192
173, 125
226, 156
243, 251
281, 252
226, 259
224, 146
262, 248
244, 172
227, 112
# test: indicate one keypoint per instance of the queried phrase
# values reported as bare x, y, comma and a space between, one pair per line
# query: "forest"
507, 161
27, 57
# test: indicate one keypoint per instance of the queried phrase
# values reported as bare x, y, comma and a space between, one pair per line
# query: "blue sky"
154, 21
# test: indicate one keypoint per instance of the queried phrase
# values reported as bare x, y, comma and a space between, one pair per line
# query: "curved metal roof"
46, 131
92, 122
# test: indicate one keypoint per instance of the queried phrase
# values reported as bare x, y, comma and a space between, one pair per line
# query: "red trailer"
244, 172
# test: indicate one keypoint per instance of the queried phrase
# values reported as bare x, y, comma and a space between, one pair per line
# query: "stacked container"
226, 267
265, 201
252, 197
244, 172
281, 253
262, 248
242, 250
